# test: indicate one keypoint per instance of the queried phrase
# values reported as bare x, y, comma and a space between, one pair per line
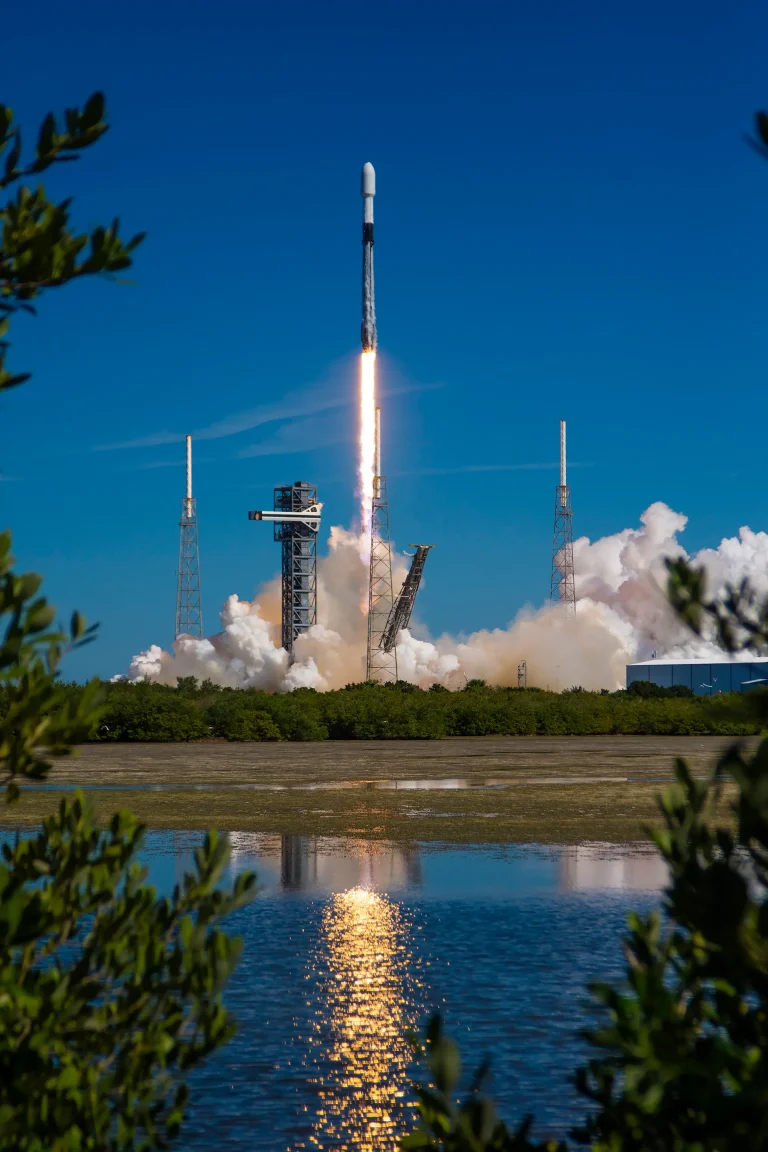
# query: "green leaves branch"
738, 617
38, 248
686, 1042
82, 129
42, 717
471, 1124
109, 995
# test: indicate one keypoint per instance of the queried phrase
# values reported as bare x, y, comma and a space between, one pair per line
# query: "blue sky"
568, 224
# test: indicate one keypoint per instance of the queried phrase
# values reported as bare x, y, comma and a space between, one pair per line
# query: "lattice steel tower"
297, 521
563, 585
381, 664
189, 612
299, 543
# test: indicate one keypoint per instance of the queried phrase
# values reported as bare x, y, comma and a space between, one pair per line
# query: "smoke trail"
622, 617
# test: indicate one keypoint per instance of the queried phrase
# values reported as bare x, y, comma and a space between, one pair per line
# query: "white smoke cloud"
622, 617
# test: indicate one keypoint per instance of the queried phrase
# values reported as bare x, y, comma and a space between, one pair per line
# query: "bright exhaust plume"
367, 438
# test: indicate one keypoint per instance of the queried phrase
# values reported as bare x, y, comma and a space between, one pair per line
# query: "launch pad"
296, 519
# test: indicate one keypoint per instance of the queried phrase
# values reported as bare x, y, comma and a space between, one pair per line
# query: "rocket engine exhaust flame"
367, 439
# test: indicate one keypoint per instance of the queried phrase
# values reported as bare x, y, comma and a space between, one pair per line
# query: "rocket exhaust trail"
368, 359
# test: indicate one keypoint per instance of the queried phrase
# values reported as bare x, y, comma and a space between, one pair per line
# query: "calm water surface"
349, 942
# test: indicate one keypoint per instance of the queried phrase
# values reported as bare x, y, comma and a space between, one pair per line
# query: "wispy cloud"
303, 436
336, 390
302, 402
333, 391
154, 441
461, 468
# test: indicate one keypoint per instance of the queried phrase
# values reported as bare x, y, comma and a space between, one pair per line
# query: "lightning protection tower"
563, 585
297, 521
189, 613
381, 663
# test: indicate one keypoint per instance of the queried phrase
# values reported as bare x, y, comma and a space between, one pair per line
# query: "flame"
367, 438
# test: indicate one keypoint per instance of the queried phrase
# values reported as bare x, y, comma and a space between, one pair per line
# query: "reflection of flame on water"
361, 1024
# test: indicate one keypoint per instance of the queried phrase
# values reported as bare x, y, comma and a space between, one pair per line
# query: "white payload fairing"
368, 191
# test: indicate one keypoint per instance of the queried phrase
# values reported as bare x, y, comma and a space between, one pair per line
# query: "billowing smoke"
622, 617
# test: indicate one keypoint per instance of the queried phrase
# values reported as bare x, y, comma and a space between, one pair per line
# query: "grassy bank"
556, 814
482, 790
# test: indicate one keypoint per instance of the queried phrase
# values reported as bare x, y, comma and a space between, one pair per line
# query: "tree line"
196, 711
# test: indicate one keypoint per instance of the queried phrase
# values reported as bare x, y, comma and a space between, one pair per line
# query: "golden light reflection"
360, 1029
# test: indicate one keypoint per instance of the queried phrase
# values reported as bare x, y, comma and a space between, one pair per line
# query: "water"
430, 785
349, 941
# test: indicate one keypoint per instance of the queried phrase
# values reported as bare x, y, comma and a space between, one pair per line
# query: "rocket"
368, 326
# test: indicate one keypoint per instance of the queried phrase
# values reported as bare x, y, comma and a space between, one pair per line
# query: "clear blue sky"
568, 224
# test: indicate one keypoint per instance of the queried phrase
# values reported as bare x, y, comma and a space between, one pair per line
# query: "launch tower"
296, 518
381, 664
189, 613
563, 585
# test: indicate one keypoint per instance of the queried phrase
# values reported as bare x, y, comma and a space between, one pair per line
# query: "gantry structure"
296, 518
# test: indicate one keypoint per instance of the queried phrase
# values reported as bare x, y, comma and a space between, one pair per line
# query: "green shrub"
139, 713
246, 725
297, 716
230, 709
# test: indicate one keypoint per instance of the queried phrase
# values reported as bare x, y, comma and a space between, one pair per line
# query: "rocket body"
368, 327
